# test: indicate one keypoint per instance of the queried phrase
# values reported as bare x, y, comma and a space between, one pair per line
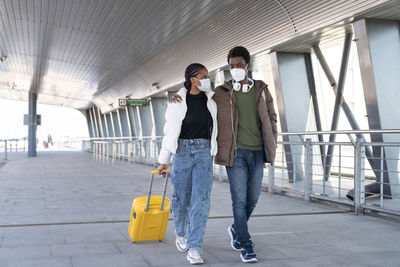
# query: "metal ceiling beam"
106, 124
95, 121
313, 92
119, 124
112, 123
346, 109
128, 118
90, 122
100, 122
338, 102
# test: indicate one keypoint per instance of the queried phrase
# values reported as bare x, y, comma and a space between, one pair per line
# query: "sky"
60, 122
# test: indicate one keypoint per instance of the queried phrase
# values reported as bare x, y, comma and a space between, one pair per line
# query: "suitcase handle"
156, 171
151, 185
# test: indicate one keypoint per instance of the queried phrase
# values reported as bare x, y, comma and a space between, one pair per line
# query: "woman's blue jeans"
191, 177
245, 179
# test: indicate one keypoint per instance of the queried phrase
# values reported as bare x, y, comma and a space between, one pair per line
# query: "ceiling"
77, 53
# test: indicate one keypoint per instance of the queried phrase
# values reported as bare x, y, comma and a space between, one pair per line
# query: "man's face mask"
238, 75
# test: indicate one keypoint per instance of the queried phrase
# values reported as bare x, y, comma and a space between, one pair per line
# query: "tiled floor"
65, 209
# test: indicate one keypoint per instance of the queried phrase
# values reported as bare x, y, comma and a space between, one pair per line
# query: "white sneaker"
181, 243
194, 257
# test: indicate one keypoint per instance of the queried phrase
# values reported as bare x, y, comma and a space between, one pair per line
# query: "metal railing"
8, 146
143, 150
356, 179
12, 145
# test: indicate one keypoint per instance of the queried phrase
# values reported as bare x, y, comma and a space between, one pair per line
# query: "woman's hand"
161, 168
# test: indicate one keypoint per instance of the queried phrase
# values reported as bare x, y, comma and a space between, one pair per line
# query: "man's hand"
162, 169
175, 99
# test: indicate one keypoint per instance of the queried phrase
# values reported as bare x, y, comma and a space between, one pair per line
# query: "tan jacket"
228, 119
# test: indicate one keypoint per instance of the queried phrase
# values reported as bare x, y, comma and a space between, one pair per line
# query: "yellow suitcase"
149, 219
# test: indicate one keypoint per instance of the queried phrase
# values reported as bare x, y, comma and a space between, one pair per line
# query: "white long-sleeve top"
174, 116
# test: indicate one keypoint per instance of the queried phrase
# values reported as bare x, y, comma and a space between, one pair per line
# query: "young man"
247, 135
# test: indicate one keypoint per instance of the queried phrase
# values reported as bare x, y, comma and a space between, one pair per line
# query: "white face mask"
238, 75
205, 85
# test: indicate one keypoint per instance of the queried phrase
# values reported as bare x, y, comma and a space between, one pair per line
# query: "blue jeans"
245, 178
191, 177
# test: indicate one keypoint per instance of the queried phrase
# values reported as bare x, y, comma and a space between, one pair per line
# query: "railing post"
155, 151
5, 149
140, 149
308, 170
359, 176
271, 178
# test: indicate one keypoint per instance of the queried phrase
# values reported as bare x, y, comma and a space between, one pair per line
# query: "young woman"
190, 133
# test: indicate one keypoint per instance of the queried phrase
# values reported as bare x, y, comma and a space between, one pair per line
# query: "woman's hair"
191, 71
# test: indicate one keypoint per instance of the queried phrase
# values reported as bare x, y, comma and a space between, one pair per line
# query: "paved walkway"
65, 209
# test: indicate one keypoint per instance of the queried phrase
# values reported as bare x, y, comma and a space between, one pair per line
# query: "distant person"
45, 144
49, 140
247, 135
190, 133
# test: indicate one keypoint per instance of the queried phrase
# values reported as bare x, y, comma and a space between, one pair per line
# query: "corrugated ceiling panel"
219, 34
119, 47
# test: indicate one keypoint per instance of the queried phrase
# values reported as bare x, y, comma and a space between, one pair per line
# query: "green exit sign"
132, 102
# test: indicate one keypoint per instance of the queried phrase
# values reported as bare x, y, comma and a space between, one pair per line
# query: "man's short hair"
239, 51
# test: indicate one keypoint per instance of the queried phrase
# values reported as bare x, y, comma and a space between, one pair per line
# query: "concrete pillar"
294, 104
32, 104
378, 47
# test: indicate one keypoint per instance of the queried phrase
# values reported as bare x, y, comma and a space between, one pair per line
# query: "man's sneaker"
234, 244
248, 255
181, 243
194, 257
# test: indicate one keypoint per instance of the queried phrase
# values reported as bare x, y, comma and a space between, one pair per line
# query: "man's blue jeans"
245, 178
191, 177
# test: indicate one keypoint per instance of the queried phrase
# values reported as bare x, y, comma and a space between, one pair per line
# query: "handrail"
372, 131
